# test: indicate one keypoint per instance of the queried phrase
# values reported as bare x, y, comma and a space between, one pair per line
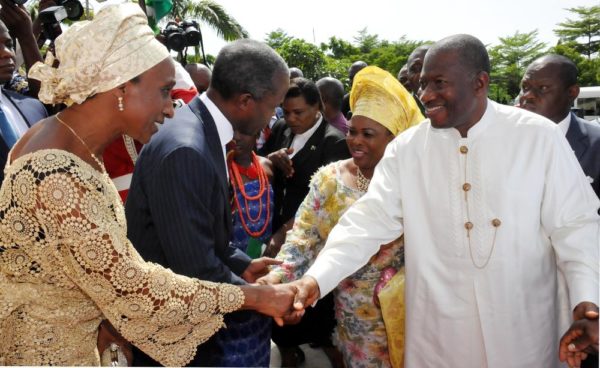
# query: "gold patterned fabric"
99, 55
377, 95
66, 264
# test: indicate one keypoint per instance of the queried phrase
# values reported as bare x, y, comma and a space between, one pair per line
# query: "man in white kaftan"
496, 214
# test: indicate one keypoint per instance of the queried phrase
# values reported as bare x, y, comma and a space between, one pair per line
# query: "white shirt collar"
224, 127
300, 140
565, 123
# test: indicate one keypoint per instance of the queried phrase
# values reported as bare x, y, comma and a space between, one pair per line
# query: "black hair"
332, 92
471, 52
305, 88
567, 72
247, 66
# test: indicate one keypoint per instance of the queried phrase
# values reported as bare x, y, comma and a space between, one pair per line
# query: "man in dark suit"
178, 211
17, 112
549, 88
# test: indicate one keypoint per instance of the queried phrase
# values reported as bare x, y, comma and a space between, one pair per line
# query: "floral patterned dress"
360, 333
66, 264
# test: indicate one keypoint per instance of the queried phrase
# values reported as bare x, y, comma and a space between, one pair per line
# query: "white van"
588, 102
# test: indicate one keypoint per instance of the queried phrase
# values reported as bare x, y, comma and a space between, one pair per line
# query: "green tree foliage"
583, 33
589, 69
340, 49
366, 42
306, 56
277, 38
509, 60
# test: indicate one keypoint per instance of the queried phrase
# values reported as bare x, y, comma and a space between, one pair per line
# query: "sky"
317, 20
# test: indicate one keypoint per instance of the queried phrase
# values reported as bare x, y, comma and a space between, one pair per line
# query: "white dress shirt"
224, 127
460, 311
300, 140
565, 123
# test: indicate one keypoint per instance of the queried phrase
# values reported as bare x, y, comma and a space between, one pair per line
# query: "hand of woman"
282, 161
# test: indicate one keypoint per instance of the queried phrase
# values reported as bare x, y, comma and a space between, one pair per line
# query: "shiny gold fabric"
66, 264
99, 55
376, 94
393, 309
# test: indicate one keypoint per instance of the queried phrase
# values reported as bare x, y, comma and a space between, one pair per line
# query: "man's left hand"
258, 268
582, 337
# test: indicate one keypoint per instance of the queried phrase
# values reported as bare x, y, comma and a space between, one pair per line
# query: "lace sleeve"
164, 314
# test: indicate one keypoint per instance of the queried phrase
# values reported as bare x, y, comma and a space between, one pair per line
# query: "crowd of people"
153, 213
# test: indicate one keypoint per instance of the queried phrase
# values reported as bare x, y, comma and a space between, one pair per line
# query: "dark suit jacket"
584, 138
327, 144
178, 212
30, 109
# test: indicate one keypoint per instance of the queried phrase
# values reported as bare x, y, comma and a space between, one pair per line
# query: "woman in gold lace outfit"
65, 261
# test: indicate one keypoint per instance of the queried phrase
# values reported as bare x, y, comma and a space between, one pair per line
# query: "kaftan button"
496, 222
464, 149
466, 187
468, 225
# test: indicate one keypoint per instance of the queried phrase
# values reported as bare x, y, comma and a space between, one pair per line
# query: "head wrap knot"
99, 55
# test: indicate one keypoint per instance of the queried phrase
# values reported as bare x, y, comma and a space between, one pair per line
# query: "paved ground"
315, 358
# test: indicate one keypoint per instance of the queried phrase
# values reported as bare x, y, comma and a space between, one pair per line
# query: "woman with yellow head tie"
382, 109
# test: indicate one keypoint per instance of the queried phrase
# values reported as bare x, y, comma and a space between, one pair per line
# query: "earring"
120, 105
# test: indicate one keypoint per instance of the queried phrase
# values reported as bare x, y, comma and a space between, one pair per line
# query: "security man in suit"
549, 88
17, 112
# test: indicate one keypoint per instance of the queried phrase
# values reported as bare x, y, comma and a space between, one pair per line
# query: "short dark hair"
567, 70
305, 88
472, 54
247, 66
332, 91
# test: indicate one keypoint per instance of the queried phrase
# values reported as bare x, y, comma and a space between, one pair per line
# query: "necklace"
100, 164
362, 183
250, 172
238, 187
469, 225
130, 147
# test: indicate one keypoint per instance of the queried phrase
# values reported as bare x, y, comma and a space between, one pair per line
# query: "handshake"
284, 302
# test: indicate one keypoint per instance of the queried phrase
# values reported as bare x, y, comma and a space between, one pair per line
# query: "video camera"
179, 36
52, 16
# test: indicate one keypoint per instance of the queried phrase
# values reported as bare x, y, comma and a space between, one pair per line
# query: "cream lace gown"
66, 263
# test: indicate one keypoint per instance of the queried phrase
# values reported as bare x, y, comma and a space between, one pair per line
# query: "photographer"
19, 25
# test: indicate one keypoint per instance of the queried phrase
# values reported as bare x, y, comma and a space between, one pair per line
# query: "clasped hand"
306, 293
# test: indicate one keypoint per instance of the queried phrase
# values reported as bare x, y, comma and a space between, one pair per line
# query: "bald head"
296, 73
356, 67
200, 74
566, 70
332, 95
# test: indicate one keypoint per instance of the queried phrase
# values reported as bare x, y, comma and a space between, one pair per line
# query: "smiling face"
7, 55
453, 96
366, 141
147, 101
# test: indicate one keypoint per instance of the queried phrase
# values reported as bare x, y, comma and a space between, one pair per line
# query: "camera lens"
19, 2
73, 7
176, 41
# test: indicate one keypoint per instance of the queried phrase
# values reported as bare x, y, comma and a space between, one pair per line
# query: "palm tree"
210, 13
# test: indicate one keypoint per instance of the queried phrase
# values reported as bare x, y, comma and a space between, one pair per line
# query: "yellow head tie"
377, 95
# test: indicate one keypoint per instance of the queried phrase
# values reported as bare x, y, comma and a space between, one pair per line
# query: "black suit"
326, 145
30, 109
584, 138
178, 212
